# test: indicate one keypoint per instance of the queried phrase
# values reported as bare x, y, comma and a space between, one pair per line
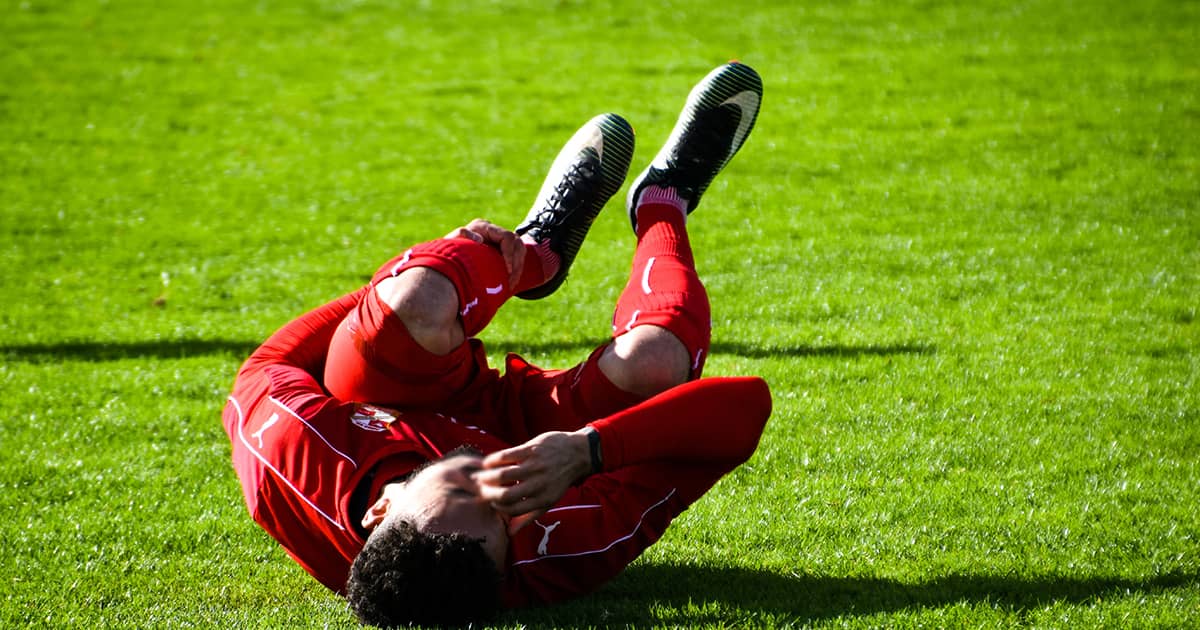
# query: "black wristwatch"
594, 449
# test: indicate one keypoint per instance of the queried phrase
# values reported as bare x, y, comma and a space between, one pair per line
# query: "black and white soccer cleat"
588, 171
718, 116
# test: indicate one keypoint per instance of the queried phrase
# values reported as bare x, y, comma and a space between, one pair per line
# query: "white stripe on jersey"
287, 482
313, 429
573, 507
606, 547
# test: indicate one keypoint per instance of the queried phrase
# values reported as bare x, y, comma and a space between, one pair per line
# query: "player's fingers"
501, 497
490, 232
508, 456
479, 225
499, 477
481, 231
464, 232
513, 249
504, 240
519, 498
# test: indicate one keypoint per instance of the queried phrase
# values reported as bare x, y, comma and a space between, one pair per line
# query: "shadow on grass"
753, 351
186, 348
114, 351
747, 350
689, 596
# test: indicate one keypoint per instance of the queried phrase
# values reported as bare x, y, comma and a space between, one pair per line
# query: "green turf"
963, 246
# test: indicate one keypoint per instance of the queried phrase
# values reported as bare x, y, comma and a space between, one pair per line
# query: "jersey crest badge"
372, 418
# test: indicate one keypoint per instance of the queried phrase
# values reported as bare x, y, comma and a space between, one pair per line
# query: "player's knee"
646, 361
427, 303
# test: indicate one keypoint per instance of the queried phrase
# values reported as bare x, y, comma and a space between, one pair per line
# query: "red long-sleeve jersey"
309, 464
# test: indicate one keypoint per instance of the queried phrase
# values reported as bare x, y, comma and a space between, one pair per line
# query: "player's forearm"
304, 341
710, 420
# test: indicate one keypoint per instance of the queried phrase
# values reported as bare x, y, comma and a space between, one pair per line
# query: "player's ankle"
653, 202
539, 256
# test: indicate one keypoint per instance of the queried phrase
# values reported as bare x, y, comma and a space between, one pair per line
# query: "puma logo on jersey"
545, 536
258, 435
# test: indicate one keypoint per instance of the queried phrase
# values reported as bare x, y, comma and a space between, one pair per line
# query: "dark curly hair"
404, 576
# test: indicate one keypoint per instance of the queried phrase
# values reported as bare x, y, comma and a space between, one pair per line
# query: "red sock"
541, 263
664, 289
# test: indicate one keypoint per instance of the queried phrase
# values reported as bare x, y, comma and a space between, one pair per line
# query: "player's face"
446, 497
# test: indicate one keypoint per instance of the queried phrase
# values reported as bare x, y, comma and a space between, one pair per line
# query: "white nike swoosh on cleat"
747, 101
600, 147
494, 290
594, 131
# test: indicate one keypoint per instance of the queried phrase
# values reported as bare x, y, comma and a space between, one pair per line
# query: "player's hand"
511, 247
525, 480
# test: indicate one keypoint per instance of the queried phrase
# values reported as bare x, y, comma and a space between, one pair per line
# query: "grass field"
963, 246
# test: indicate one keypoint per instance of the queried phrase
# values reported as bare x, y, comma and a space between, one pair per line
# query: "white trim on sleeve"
604, 548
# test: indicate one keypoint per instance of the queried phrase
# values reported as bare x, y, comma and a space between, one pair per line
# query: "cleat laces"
572, 191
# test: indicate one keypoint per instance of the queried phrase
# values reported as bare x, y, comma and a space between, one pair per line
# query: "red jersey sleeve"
304, 341
710, 421
659, 457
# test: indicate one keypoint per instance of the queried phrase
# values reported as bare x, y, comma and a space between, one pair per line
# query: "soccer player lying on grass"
374, 442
